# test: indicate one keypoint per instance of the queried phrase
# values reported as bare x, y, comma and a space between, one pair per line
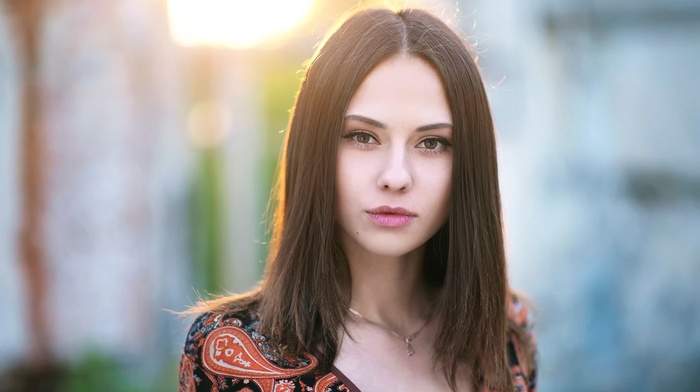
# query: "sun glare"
235, 24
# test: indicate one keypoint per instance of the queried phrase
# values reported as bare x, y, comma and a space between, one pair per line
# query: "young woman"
387, 269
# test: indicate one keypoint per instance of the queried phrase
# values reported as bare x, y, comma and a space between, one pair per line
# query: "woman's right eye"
360, 137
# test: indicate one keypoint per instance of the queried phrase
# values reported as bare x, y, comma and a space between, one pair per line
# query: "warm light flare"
234, 23
209, 124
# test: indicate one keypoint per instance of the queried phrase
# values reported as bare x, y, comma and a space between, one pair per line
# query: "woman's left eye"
434, 144
363, 138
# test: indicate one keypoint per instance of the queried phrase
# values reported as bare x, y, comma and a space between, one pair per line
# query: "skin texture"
395, 150
397, 164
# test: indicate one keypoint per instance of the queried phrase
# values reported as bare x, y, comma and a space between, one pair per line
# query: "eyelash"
444, 145
352, 137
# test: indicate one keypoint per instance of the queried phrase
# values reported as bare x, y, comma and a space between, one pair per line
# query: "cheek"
341, 176
440, 186
440, 178
447, 182
352, 171
347, 175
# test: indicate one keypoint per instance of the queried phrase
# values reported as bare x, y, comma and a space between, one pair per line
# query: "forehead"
402, 87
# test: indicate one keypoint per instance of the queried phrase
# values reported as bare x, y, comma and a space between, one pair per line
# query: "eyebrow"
378, 124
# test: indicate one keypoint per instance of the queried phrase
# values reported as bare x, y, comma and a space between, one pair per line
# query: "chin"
390, 247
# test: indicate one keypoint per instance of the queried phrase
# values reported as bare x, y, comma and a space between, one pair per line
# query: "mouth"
391, 216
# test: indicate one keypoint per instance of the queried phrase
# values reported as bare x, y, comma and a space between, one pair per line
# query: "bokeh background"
139, 139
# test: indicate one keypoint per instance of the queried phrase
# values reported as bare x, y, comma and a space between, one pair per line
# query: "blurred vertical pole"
27, 15
207, 214
225, 125
243, 153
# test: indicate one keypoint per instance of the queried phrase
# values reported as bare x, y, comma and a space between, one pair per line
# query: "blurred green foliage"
280, 75
206, 220
97, 371
94, 371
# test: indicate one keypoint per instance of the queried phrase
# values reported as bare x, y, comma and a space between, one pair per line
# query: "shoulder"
519, 312
225, 351
522, 349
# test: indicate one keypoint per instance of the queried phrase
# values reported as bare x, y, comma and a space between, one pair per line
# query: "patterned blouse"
224, 352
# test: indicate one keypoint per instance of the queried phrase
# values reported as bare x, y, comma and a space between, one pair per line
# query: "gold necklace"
406, 339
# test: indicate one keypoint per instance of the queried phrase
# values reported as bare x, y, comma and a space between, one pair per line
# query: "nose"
396, 174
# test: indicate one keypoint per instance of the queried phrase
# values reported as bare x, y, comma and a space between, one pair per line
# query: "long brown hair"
303, 298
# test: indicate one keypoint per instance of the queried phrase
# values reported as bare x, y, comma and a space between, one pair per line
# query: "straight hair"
304, 296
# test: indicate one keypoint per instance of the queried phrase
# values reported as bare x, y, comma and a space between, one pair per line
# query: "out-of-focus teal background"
135, 172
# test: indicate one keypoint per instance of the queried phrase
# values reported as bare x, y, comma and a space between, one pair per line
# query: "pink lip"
391, 216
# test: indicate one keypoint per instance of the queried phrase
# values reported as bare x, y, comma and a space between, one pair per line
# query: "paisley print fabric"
224, 352
524, 372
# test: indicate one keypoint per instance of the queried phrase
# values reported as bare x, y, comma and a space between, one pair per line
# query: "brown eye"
431, 144
363, 138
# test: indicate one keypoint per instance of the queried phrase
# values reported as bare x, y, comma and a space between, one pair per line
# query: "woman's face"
394, 169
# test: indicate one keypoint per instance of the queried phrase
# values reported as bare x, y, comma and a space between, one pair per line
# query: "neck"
390, 291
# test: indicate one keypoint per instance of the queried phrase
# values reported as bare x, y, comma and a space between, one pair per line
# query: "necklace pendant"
409, 347
407, 339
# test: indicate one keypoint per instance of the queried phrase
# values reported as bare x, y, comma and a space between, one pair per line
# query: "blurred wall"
597, 107
117, 182
12, 304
